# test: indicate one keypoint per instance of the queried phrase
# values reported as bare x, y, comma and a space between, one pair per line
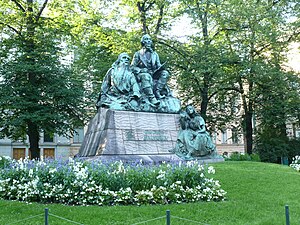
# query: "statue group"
141, 85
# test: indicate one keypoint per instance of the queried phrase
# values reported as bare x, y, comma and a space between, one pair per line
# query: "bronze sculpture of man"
146, 64
119, 89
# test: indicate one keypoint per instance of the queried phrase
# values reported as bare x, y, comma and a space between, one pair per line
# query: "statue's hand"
136, 70
144, 70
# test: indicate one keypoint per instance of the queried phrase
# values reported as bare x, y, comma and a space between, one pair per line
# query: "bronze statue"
142, 86
120, 90
193, 140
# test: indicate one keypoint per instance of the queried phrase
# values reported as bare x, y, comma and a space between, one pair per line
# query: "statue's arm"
158, 64
135, 59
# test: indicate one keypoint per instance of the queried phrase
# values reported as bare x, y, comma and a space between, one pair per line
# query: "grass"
257, 194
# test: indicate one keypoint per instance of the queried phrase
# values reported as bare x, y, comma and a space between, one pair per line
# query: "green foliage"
294, 148
4, 161
38, 88
243, 157
271, 147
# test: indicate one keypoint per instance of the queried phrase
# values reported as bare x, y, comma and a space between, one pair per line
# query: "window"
78, 135
48, 137
224, 136
235, 137
18, 153
49, 153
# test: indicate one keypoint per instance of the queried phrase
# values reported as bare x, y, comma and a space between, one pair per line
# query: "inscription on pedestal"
155, 135
130, 135
146, 135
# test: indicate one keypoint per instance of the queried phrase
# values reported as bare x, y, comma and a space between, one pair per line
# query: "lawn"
256, 194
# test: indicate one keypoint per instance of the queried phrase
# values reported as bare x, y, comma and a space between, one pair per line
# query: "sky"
294, 56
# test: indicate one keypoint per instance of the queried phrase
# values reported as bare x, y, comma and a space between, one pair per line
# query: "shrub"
293, 148
83, 183
236, 156
4, 161
274, 149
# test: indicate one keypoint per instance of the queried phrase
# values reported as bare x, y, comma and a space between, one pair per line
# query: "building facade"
59, 147
51, 146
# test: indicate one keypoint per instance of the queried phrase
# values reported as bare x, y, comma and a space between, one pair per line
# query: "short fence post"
287, 215
46, 216
168, 217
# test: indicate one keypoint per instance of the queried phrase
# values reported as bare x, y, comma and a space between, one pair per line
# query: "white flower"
30, 173
53, 170
161, 175
211, 170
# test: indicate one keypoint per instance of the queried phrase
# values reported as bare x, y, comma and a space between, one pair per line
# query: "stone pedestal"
127, 135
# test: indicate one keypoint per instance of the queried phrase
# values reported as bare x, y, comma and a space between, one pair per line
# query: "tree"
234, 38
37, 91
277, 104
259, 33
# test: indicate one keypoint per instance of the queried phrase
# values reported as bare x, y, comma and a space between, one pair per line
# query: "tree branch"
12, 28
158, 24
170, 46
224, 89
41, 10
294, 35
19, 5
149, 6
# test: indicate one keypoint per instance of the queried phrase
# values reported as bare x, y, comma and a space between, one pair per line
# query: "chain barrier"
149, 220
193, 221
62, 218
42, 214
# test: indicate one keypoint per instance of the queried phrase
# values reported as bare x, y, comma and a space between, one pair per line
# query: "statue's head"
165, 74
146, 41
190, 109
123, 58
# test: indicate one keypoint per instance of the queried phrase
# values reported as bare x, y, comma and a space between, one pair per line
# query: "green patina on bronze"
193, 140
141, 86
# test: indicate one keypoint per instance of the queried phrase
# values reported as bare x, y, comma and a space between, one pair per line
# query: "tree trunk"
248, 114
204, 101
34, 138
204, 92
249, 132
142, 10
33, 130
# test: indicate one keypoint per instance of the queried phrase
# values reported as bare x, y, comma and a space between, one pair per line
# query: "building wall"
227, 142
64, 147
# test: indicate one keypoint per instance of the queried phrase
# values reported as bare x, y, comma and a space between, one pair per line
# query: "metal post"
287, 215
168, 214
46, 216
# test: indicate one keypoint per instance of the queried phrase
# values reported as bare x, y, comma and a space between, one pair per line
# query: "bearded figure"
119, 90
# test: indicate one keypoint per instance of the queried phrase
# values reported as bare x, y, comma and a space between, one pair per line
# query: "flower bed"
85, 183
296, 163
